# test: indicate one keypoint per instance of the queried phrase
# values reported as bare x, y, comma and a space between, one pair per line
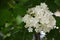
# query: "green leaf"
57, 2
18, 19
23, 1
5, 16
51, 5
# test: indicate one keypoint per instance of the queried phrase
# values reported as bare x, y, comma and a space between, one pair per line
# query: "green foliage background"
11, 25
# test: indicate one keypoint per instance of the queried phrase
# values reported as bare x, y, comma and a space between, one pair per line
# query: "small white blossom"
30, 29
42, 34
57, 13
57, 27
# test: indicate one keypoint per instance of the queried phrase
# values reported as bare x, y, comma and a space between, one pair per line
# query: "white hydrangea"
39, 18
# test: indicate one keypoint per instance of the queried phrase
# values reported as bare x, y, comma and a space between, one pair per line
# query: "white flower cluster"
39, 18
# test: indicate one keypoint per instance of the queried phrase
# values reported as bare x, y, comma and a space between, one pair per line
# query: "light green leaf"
18, 20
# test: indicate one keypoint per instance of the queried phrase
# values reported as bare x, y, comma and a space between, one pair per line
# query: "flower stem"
37, 36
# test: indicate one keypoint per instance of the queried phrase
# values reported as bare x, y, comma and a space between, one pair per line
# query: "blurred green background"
11, 25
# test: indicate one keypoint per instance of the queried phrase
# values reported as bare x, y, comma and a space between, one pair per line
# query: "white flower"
57, 27
37, 30
30, 29
26, 17
42, 20
57, 13
44, 6
42, 34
